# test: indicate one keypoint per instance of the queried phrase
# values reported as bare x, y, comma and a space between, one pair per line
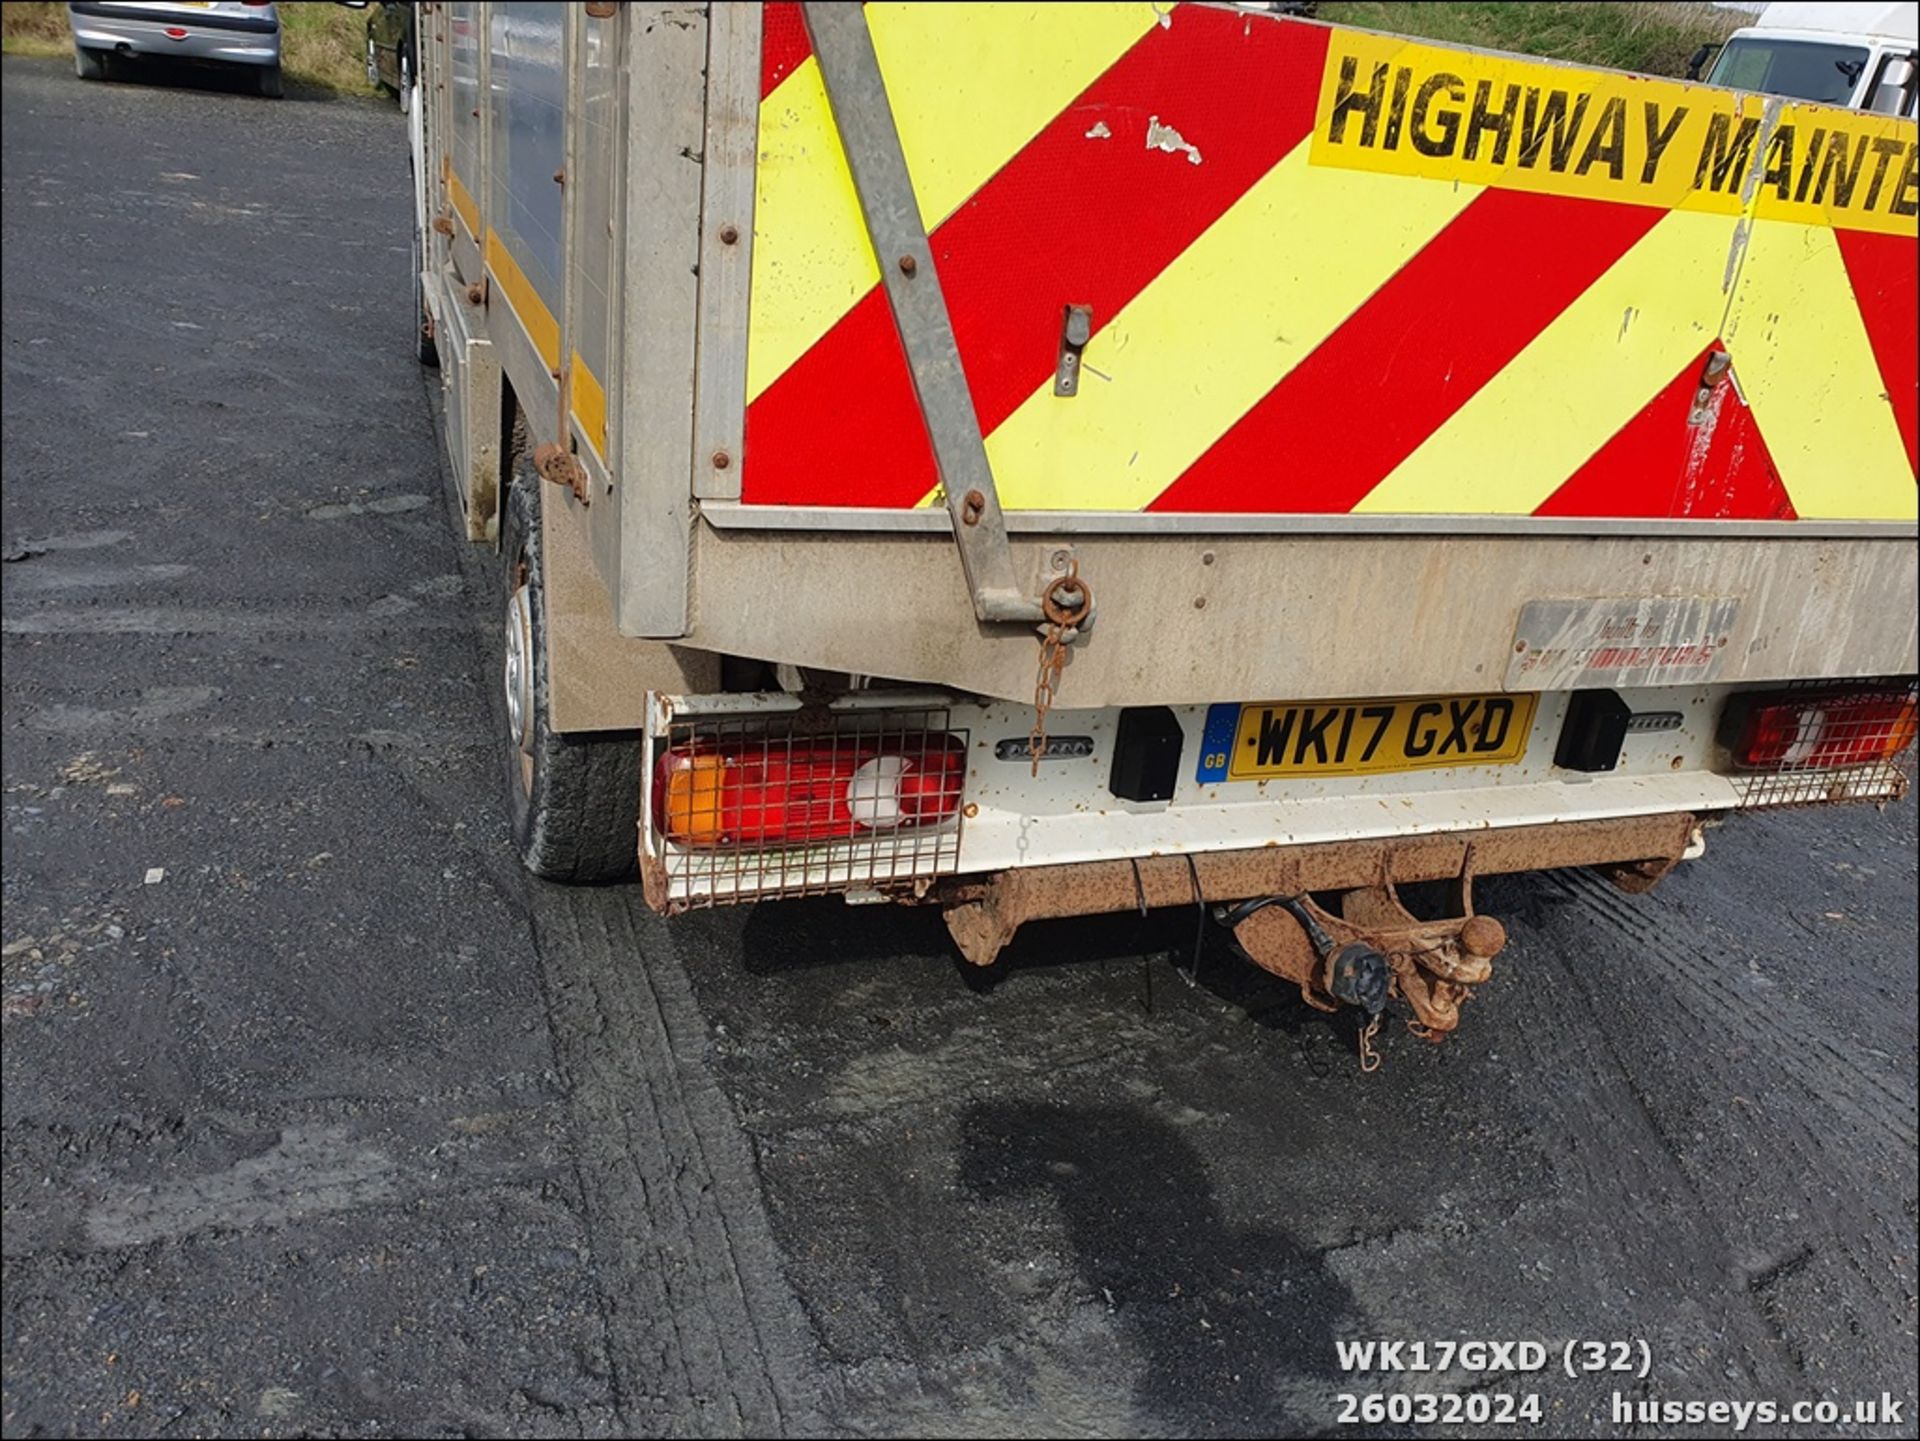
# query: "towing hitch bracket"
1373, 949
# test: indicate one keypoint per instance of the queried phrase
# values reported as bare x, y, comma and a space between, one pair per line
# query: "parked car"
391, 63
232, 32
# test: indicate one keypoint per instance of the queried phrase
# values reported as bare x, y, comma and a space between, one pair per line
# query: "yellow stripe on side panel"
541, 328
971, 85
588, 399
1193, 352
1802, 359
1582, 378
463, 205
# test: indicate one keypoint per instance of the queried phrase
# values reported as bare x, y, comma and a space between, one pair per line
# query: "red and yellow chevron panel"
1335, 272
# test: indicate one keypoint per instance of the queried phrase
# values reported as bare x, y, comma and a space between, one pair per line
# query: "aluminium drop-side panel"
1336, 273
462, 129
593, 180
524, 244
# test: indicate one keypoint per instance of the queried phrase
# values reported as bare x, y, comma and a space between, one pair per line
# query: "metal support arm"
857, 95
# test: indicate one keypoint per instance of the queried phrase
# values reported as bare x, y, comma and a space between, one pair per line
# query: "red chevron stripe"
1659, 464
842, 427
1885, 271
783, 43
1452, 318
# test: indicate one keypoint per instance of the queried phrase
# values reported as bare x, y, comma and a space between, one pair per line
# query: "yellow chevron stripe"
1802, 358
971, 85
1193, 352
1582, 378
811, 257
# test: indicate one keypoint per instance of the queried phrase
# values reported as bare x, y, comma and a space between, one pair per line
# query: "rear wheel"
89, 64
575, 798
268, 79
425, 350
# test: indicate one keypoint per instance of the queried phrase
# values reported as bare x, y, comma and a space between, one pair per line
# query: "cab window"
1798, 69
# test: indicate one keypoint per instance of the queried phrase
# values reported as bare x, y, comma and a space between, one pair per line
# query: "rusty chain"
1066, 603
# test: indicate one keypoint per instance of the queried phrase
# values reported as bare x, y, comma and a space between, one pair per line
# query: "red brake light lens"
1821, 730
786, 792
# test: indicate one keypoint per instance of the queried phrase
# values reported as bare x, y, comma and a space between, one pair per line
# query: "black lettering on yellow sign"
1658, 139
1600, 134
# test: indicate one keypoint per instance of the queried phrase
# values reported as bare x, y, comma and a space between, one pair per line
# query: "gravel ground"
321, 1118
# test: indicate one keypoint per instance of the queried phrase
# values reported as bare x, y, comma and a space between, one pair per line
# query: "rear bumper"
1068, 820
984, 912
219, 40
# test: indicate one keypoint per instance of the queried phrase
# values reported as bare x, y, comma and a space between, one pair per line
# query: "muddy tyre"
575, 799
426, 349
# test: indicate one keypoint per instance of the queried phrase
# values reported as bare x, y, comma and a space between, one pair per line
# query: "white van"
1858, 55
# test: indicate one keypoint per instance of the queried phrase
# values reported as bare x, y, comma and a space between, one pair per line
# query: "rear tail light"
776, 791
1820, 729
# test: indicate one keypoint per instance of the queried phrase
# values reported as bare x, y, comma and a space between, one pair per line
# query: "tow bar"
1374, 950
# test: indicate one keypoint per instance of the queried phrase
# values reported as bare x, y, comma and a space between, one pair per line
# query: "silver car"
243, 33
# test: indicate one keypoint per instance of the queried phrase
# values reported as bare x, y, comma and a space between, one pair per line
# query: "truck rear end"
1043, 460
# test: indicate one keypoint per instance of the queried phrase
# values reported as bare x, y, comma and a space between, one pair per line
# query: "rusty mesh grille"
718, 874
1854, 718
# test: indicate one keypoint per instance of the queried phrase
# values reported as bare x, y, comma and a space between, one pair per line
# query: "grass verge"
321, 44
1650, 36
324, 45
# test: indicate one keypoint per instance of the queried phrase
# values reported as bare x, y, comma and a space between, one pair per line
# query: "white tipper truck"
1042, 460
1840, 53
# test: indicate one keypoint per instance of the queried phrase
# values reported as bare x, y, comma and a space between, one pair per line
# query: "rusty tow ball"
1375, 947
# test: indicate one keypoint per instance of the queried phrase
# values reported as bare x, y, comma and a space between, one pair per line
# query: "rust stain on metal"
721, 460
477, 292
1638, 877
601, 9
556, 462
972, 506
560, 177
443, 224
908, 265
729, 234
653, 881
985, 912
562, 467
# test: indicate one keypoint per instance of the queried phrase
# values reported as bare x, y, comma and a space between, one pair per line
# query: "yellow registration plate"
1268, 739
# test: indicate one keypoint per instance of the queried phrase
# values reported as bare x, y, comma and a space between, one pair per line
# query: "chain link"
1067, 603
1369, 1058
1053, 660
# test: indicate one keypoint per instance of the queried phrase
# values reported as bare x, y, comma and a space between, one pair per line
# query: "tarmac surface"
322, 1118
